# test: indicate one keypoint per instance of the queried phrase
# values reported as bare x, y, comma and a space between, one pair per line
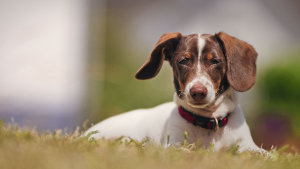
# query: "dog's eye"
215, 61
183, 61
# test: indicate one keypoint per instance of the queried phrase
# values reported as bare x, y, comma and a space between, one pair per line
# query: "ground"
24, 148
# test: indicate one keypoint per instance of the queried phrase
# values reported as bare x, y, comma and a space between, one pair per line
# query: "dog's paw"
259, 151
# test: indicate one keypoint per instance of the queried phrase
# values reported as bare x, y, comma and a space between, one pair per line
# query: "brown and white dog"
208, 70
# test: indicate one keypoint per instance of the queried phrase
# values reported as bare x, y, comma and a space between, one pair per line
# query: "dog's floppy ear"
163, 49
241, 62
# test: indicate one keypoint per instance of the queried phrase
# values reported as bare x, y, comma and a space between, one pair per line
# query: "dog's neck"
223, 104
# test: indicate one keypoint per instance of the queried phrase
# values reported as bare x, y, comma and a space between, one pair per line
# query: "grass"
27, 149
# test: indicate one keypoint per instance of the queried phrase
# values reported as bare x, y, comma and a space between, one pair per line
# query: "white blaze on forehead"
201, 44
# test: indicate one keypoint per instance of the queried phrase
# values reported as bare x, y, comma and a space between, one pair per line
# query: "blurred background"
66, 61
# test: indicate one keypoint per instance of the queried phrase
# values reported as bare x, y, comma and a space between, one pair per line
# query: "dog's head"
204, 66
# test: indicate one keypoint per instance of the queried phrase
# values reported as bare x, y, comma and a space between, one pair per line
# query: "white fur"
164, 120
201, 44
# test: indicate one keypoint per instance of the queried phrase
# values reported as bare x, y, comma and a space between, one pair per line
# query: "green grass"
27, 149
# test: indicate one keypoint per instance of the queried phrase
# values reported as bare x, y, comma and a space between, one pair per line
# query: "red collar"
204, 122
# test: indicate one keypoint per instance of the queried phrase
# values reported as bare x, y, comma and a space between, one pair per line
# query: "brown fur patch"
163, 50
241, 62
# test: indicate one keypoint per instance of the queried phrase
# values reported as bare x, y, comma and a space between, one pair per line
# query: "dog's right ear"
163, 50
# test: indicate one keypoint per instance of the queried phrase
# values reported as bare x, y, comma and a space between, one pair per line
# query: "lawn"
27, 149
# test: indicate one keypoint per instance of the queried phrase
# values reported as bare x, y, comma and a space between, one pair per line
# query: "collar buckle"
216, 124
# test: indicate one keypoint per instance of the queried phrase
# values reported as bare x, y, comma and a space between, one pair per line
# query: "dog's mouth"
204, 104
198, 104
205, 107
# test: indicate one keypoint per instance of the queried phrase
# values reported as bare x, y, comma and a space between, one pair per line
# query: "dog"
208, 71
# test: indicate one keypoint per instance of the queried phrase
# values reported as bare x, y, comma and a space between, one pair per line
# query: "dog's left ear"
241, 62
163, 49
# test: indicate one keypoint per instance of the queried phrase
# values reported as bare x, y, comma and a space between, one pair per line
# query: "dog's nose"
198, 92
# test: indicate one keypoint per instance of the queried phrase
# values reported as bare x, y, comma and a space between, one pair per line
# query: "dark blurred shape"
271, 129
279, 89
280, 96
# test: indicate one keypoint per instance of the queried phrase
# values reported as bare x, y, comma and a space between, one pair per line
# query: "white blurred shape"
42, 56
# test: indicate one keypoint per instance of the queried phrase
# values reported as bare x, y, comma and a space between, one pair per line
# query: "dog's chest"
177, 126
206, 137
